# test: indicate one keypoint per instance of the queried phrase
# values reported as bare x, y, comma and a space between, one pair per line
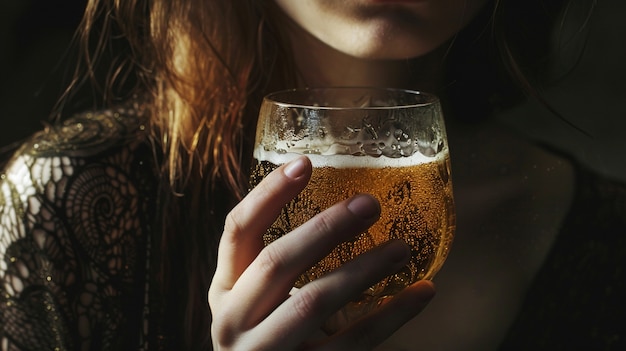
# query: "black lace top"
577, 299
77, 204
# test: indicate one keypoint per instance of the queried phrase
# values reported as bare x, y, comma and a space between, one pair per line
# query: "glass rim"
431, 98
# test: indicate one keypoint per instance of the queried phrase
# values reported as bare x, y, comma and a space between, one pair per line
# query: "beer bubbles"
386, 142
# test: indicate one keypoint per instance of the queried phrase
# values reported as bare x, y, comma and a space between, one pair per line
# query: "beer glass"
389, 143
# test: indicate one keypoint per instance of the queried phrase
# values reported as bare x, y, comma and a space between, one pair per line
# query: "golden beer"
415, 194
389, 143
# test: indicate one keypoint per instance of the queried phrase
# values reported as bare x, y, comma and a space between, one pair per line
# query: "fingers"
307, 309
268, 280
242, 238
249, 292
384, 321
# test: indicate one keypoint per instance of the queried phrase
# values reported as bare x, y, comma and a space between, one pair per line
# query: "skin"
399, 44
374, 43
382, 29
249, 294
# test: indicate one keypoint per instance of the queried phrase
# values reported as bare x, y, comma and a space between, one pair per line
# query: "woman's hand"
249, 296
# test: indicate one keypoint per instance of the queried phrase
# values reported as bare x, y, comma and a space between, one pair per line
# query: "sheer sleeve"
73, 238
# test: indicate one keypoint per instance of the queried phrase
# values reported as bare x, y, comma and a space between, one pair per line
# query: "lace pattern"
76, 206
75, 214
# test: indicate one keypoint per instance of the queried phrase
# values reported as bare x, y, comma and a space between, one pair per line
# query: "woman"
112, 218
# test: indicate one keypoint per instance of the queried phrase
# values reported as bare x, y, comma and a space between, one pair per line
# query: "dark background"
592, 96
36, 67
34, 42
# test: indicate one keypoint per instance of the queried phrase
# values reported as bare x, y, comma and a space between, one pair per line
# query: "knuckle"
212, 297
273, 259
308, 302
324, 222
270, 186
222, 334
267, 185
232, 224
220, 330
360, 270
224, 330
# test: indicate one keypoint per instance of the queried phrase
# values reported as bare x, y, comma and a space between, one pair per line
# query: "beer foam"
350, 161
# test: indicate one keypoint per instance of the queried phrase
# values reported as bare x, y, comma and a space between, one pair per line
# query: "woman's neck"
318, 65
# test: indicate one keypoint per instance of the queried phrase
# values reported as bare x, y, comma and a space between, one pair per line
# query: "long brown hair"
196, 66
192, 62
198, 62
201, 68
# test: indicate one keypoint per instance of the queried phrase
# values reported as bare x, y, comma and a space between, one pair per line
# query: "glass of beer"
389, 143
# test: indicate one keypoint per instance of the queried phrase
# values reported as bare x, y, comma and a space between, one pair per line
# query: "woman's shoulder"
77, 203
88, 137
88, 133
105, 152
576, 298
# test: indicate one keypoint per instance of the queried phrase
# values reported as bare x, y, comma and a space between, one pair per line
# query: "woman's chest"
511, 198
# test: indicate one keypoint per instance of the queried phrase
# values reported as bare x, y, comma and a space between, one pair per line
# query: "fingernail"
295, 168
364, 206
